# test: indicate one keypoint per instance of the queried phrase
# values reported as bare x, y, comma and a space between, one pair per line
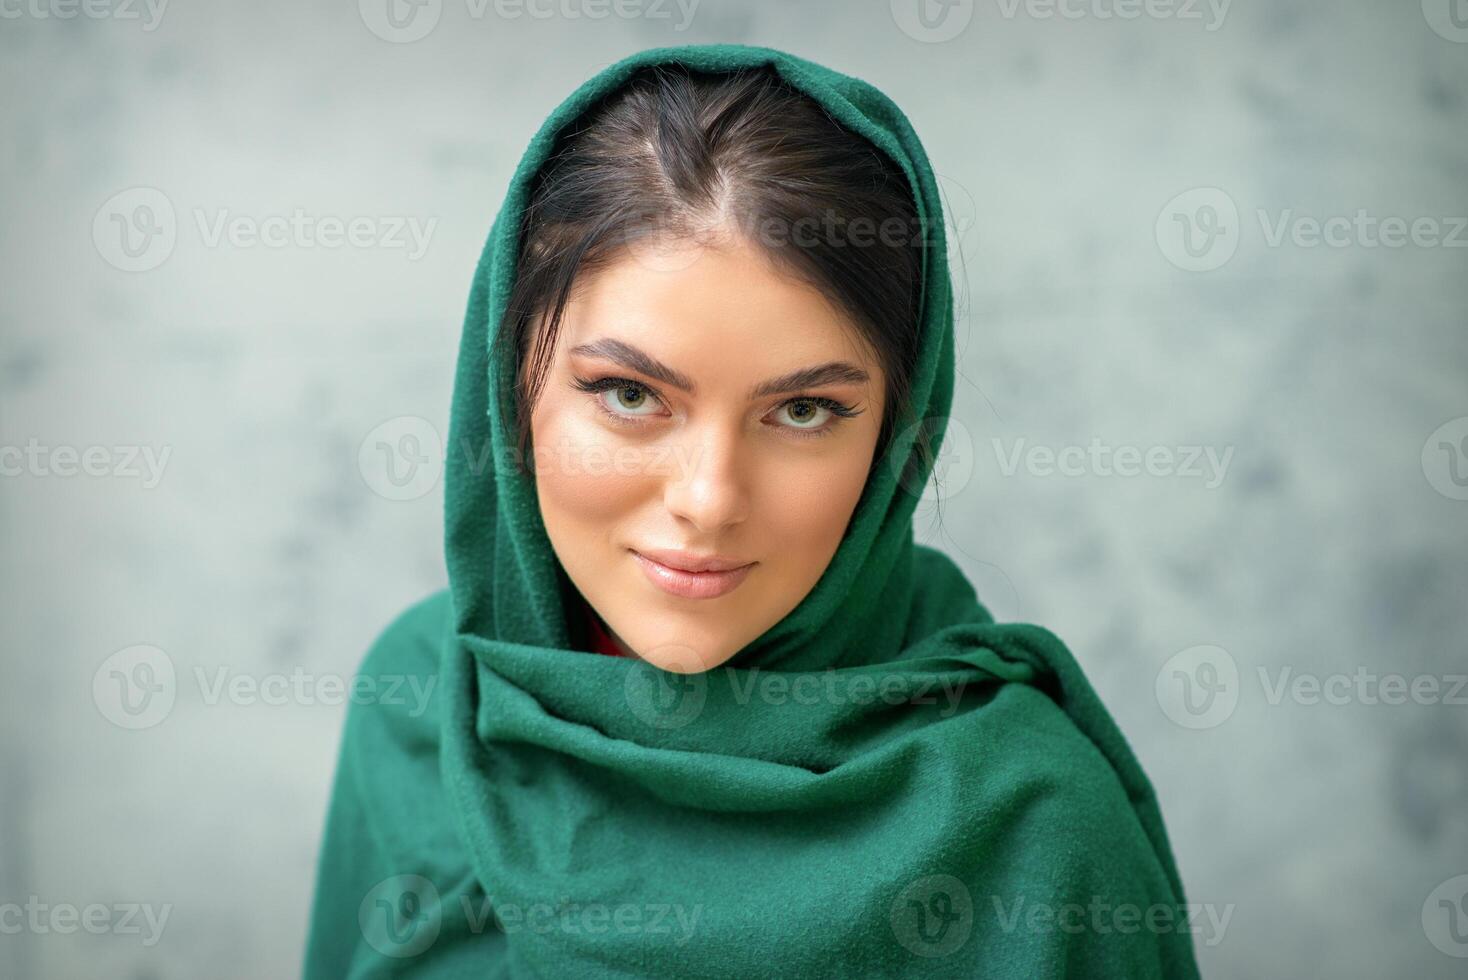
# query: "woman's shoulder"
394, 691
389, 747
387, 821
413, 638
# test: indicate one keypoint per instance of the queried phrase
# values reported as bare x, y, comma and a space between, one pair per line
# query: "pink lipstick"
692, 576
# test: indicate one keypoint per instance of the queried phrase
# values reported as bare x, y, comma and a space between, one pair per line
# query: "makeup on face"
688, 576
709, 431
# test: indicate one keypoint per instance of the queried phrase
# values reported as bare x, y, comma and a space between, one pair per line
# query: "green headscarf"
885, 783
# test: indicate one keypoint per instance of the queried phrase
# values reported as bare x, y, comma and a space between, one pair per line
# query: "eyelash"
596, 386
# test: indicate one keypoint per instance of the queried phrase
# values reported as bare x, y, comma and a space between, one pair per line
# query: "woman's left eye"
812, 415
805, 413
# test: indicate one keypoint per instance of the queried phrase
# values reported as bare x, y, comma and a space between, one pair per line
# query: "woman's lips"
691, 585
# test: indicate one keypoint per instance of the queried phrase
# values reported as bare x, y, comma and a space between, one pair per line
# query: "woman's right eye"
630, 397
620, 397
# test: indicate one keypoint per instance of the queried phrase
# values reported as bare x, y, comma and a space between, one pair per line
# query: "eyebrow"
830, 373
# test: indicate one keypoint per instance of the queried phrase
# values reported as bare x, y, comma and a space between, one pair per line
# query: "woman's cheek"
810, 506
583, 474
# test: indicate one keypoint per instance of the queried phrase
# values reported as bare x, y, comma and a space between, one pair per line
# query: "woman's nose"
708, 482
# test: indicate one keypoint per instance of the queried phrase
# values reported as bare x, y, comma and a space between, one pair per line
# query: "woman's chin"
683, 656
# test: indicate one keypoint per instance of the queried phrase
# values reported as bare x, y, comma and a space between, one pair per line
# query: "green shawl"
885, 783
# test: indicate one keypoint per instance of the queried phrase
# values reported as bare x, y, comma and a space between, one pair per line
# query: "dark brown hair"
678, 151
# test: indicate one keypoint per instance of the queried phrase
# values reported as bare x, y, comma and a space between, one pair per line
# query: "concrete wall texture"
1211, 422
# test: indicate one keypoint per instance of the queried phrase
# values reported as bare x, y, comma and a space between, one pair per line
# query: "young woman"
701, 705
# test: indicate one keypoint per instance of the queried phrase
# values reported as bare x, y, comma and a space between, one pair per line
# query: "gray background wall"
1332, 543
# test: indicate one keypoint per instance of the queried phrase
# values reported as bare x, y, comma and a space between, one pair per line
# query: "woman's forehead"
726, 310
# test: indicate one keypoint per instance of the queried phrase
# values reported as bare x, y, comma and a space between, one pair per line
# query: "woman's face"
732, 414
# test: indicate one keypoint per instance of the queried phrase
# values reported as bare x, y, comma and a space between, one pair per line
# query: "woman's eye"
805, 413
629, 400
621, 398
